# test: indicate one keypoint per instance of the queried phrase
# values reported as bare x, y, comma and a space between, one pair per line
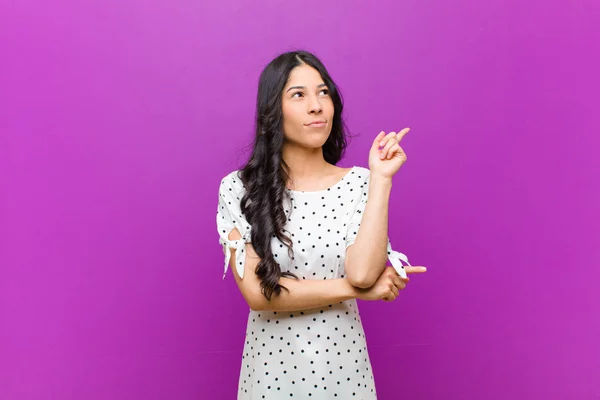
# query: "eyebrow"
304, 87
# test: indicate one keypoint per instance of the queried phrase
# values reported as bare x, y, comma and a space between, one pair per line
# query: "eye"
325, 91
297, 93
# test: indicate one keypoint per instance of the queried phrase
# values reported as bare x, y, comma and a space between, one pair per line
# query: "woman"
289, 226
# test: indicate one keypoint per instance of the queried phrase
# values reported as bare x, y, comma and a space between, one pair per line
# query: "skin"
306, 99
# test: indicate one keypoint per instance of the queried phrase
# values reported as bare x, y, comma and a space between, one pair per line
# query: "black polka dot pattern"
318, 353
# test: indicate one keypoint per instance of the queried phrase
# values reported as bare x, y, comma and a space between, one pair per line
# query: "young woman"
289, 223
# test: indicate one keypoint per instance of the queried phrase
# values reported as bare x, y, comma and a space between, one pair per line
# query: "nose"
315, 106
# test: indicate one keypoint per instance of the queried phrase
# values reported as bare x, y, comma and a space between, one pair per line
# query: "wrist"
352, 291
379, 181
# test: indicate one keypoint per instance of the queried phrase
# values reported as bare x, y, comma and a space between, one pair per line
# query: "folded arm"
303, 294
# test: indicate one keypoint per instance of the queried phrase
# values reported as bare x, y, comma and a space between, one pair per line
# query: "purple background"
119, 118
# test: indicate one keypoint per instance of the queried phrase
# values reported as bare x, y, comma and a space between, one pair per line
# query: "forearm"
367, 257
305, 294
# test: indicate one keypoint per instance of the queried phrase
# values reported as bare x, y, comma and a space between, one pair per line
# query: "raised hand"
386, 156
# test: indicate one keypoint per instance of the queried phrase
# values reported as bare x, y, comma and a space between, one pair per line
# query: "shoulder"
232, 178
361, 174
362, 171
355, 172
231, 183
360, 182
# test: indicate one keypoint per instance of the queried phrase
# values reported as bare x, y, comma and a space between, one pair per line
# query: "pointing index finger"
414, 270
401, 134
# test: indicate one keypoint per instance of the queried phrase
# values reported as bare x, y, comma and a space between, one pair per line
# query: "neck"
304, 164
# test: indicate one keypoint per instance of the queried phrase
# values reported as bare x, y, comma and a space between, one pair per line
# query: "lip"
317, 123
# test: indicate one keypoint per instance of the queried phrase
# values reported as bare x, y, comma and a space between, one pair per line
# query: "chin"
313, 144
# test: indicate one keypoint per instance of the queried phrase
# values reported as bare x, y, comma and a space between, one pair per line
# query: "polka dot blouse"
318, 353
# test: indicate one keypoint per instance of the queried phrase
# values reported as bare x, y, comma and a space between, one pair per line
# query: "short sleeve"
229, 216
396, 258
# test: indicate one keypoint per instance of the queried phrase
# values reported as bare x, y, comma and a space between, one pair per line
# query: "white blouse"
319, 353
229, 216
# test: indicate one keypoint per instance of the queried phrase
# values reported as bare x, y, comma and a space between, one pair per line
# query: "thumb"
378, 139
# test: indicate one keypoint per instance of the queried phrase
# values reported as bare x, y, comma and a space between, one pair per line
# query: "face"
307, 108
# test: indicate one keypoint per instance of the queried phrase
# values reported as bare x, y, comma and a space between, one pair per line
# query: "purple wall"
119, 118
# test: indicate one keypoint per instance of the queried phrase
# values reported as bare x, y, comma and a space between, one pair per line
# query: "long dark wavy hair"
264, 176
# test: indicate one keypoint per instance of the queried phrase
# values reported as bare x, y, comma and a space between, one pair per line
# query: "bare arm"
302, 295
367, 257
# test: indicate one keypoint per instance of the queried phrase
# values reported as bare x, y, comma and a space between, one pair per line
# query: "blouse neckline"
337, 184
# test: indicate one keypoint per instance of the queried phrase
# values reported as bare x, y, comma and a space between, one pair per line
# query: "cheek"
328, 106
290, 121
291, 116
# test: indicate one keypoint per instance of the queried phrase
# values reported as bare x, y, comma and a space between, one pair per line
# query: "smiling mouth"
317, 124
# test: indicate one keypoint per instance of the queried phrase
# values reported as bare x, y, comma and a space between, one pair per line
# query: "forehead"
304, 75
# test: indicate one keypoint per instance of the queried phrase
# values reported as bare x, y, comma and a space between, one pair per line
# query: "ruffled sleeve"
230, 216
396, 258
